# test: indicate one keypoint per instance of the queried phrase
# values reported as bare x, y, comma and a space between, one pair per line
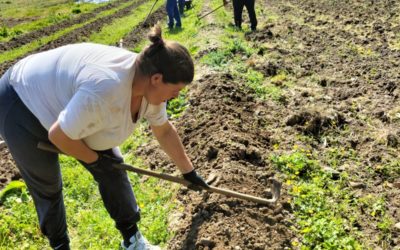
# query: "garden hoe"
225, 2
275, 185
147, 17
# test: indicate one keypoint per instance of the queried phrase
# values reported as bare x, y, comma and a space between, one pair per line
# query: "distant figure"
188, 4
238, 9
173, 14
181, 5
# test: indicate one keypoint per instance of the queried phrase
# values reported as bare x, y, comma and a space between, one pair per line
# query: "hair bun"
155, 35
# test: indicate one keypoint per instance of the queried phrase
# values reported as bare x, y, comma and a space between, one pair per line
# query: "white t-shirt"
87, 88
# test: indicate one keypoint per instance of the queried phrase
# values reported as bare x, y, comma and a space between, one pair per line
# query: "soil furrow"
140, 31
31, 36
77, 34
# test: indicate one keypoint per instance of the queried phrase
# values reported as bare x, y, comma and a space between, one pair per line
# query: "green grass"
19, 227
43, 15
236, 55
187, 36
113, 32
223, 15
18, 52
232, 57
389, 171
31, 8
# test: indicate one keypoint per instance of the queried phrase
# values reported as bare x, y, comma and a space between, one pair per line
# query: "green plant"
389, 171
177, 105
4, 31
13, 188
237, 46
318, 203
216, 58
76, 10
373, 205
336, 156
296, 163
385, 225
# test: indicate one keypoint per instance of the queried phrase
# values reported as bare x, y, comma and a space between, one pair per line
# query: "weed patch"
323, 208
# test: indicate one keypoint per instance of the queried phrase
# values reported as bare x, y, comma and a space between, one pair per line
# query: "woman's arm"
74, 148
171, 143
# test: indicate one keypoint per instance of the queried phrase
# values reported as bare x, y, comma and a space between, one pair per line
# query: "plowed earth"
223, 132
345, 93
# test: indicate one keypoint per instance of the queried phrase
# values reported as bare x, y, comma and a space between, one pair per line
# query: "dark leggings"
22, 131
238, 10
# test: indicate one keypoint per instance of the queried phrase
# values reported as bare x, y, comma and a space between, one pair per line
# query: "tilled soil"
223, 132
346, 92
8, 171
140, 31
344, 95
10, 22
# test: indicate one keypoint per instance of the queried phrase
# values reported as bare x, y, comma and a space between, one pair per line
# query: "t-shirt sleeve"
84, 115
156, 115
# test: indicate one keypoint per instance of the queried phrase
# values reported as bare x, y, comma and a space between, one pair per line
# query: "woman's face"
160, 91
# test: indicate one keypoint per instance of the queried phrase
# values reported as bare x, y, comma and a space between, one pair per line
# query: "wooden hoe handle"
275, 188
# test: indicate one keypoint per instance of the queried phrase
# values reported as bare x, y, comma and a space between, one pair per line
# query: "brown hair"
168, 58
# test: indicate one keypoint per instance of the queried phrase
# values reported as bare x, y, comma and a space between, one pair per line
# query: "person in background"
173, 14
238, 6
86, 99
181, 5
188, 4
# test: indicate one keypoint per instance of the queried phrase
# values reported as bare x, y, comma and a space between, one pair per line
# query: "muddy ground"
343, 67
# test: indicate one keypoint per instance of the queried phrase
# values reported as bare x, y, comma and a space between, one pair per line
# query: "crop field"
312, 99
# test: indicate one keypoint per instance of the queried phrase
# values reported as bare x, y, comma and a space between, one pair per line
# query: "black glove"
196, 181
105, 161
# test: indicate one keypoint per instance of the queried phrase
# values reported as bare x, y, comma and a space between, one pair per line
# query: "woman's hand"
196, 180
